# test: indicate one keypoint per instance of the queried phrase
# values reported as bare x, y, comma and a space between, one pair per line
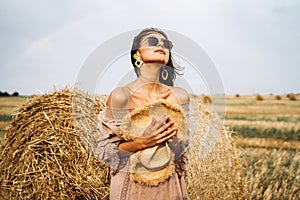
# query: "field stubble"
271, 173
267, 135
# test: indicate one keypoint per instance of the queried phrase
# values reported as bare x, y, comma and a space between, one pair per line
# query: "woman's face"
153, 54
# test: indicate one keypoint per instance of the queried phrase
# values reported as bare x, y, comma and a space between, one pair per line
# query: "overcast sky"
254, 44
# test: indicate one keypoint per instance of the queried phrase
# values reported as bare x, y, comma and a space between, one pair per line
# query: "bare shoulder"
118, 98
181, 94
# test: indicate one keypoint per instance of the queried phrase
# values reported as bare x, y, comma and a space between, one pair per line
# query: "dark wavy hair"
172, 67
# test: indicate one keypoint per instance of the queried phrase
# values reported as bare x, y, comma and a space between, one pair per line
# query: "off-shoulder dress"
121, 186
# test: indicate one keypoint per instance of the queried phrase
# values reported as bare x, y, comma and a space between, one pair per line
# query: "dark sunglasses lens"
168, 44
152, 41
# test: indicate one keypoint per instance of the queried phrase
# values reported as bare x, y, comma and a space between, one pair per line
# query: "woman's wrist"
140, 145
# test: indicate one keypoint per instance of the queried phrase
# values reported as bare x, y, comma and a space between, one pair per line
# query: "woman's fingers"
165, 133
166, 126
160, 131
166, 137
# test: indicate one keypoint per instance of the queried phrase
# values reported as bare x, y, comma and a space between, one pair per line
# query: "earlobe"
137, 55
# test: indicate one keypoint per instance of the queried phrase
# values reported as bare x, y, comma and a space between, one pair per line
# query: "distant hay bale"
292, 97
259, 97
206, 99
43, 156
237, 95
278, 97
46, 153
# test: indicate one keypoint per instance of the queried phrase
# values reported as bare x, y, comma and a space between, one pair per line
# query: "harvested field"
270, 162
271, 173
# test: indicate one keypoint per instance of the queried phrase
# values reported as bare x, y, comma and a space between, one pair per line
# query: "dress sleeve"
109, 139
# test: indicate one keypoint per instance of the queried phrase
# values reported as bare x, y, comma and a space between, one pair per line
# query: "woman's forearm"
129, 147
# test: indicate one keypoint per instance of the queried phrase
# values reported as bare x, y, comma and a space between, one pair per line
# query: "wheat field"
267, 136
266, 133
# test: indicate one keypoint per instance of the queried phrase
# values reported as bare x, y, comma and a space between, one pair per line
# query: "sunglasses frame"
166, 43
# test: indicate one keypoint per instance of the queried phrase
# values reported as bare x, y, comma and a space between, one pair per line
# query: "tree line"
6, 94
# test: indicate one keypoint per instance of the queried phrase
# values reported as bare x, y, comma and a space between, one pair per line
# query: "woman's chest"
139, 99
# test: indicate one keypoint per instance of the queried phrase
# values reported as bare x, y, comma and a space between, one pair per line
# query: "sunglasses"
153, 42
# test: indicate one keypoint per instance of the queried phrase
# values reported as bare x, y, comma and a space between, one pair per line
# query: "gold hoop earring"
164, 74
138, 63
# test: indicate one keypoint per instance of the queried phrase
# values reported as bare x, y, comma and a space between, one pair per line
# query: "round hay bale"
292, 97
278, 97
207, 99
213, 169
259, 97
43, 156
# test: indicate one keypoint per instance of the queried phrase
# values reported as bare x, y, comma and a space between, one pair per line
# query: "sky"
254, 44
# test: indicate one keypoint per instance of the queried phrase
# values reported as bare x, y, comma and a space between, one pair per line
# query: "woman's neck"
149, 73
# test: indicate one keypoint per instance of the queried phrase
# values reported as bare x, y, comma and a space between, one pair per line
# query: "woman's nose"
160, 44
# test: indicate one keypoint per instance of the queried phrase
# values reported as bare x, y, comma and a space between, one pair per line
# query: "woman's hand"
159, 131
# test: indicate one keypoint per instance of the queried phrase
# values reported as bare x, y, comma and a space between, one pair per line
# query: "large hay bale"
213, 167
43, 156
48, 152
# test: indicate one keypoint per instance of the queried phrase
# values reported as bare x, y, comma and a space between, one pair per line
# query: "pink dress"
121, 186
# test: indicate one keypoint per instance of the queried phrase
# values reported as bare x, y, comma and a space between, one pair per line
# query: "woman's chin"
158, 61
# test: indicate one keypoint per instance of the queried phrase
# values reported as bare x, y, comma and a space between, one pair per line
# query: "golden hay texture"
44, 153
213, 170
42, 156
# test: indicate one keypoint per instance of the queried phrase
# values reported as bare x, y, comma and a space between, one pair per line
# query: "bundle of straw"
213, 170
43, 156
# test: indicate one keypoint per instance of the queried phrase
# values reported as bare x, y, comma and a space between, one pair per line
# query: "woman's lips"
160, 51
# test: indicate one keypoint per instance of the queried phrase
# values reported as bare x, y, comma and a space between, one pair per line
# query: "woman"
153, 64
